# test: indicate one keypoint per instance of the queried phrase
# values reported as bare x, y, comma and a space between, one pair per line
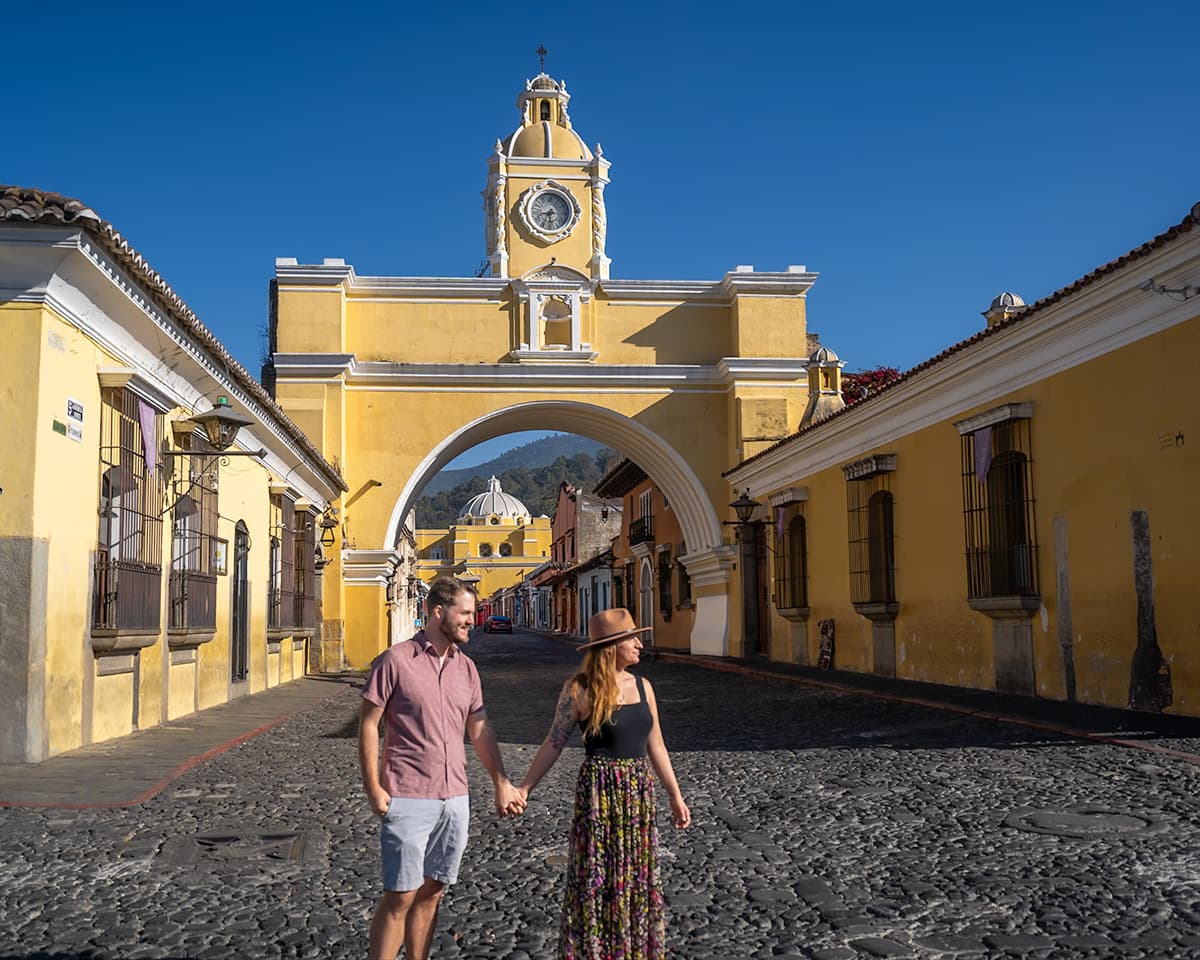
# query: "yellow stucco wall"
1103, 444
52, 494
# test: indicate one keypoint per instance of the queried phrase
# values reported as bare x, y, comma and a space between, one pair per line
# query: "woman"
613, 906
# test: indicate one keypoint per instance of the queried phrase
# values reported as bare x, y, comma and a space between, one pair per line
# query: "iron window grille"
998, 511
304, 599
871, 509
128, 586
664, 583
192, 585
791, 556
683, 578
281, 588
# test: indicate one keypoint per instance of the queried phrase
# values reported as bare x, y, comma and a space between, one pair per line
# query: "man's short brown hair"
444, 591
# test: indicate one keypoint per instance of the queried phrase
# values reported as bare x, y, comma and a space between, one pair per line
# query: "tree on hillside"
862, 383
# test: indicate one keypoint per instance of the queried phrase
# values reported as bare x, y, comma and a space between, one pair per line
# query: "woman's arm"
662, 764
566, 716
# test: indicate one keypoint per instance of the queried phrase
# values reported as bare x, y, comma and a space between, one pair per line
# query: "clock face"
550, 210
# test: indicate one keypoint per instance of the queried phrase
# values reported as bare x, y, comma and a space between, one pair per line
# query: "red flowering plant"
862, 383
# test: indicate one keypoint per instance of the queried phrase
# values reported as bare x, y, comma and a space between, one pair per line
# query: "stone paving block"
882, 947
947, 943
1090, 940
1018, 942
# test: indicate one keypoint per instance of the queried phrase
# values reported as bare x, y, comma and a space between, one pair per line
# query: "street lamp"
221, 424
328, 525
744, 507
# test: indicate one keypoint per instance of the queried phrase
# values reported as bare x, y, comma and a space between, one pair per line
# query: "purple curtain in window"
149, 440
983, 453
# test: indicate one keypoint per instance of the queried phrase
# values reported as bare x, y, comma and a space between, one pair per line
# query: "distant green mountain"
538, 453
536, 487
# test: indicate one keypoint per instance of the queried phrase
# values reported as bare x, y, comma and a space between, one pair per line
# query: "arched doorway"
646, 600
708, 558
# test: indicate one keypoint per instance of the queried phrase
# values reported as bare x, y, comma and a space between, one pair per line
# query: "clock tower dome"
544, 200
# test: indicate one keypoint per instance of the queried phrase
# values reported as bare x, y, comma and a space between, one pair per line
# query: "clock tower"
544, 200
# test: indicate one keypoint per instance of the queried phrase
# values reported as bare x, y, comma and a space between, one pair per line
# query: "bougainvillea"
862, 383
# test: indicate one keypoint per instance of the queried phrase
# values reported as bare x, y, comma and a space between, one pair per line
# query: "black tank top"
624, 736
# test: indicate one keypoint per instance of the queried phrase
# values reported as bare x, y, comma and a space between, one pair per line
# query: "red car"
497, 625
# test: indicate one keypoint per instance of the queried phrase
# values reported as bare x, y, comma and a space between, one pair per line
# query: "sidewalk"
1125, 728
130, 770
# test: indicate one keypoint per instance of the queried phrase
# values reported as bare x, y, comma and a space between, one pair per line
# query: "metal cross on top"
541, 52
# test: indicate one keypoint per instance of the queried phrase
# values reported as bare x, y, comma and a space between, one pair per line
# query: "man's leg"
390, 922
421, 919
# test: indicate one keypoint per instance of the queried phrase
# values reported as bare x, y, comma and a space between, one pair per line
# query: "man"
428, 693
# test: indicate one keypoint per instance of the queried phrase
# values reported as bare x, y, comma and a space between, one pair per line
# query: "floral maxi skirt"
613, 908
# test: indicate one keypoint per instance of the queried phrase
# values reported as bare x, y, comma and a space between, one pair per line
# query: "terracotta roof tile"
24, 204
1188, 223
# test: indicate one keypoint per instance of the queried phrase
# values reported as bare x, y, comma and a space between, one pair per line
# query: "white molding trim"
550, 368
742, 369
1108, 314
1000, 414
369, 568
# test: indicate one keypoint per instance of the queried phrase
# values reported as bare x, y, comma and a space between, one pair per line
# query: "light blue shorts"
423, 838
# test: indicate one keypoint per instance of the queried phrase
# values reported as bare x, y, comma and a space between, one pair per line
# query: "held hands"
518, 805
509, 800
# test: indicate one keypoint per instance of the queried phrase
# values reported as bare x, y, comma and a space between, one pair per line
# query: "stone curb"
177, 771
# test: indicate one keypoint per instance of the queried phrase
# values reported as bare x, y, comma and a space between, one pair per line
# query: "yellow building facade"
494, 544
146, 570
547, 340
1016, 513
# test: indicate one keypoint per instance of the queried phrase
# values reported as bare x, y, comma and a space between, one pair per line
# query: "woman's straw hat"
609, 626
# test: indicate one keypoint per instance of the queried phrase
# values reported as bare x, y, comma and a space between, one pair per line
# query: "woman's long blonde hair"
598, 679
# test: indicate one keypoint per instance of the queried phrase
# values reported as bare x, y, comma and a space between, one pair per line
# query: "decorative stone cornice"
129, 379
369, 568
1000, 414
790, 495
870, 466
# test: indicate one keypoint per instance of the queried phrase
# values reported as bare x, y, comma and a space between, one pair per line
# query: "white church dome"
494, 502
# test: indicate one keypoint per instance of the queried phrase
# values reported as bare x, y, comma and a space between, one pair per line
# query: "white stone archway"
708, 559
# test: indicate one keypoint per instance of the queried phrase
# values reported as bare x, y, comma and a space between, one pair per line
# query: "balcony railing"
127, 596
193, 597
641, 530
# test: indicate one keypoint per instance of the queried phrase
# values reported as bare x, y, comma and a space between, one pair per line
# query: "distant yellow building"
494, 544
1017, 513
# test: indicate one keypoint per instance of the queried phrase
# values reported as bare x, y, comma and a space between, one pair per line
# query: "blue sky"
922, 157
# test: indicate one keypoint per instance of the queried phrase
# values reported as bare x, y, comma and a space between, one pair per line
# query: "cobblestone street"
826, 826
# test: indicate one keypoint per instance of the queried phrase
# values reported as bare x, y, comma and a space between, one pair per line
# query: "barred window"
683, 578
192, 586
998, 510
872, 535
791, 556
305, 591
664, 583
128, 582
281, 589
